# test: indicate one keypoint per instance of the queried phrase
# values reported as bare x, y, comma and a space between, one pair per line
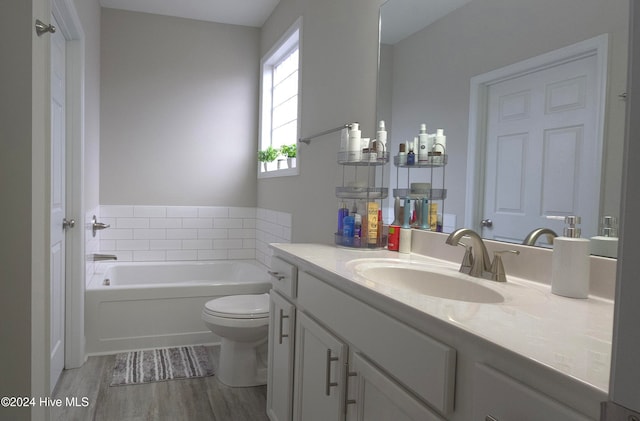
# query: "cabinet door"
319, 373
498, 397
282, 315
372, 396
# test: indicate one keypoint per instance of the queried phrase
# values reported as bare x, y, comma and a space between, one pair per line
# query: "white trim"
476, 150
625, 371
71, 27
283, 45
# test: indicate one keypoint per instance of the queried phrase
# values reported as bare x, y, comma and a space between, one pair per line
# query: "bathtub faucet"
100, 257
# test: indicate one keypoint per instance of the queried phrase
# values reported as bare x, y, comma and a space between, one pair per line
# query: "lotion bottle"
570, 261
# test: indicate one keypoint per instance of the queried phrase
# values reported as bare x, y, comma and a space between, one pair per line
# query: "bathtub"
148, 305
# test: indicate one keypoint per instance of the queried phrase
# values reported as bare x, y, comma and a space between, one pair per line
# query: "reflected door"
545, 120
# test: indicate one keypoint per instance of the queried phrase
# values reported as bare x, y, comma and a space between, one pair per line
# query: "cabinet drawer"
420, 363
284, 276
502, 398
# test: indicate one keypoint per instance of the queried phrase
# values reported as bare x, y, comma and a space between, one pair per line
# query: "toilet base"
242, 364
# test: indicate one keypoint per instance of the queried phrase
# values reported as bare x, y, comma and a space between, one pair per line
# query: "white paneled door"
545, 120
58, 228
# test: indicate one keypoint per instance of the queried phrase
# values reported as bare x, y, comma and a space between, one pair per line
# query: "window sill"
285, 172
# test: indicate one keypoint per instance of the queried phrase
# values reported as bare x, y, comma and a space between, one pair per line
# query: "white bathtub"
148, 305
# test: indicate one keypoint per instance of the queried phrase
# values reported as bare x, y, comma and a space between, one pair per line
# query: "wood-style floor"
198, 399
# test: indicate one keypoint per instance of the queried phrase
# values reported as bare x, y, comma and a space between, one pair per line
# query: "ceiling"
236, 12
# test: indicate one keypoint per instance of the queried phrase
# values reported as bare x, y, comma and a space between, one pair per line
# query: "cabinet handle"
281, 335
276, 275
329, 383
346, 387
490, 418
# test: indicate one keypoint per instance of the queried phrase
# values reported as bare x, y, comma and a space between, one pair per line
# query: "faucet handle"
497, 267
467, 260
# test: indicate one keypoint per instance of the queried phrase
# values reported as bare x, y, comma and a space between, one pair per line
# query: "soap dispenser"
570, 261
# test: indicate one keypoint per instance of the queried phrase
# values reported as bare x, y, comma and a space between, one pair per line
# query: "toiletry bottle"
411, 156
425, 216
394, 238
402, 154
342, 212
348, 230
570, 261
381, 137
396, 211
343, 153
357, 225
423, 144
405, 231
440, 146
372, 223
433, 216
355, 144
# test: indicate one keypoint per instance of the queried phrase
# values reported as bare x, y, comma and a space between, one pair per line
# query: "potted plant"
289, 151
267, 155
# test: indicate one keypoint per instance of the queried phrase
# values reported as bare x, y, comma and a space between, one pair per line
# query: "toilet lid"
239, 306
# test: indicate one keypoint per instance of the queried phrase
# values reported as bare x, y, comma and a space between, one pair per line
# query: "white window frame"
291, 39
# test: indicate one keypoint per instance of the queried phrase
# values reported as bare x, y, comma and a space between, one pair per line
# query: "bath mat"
156, 365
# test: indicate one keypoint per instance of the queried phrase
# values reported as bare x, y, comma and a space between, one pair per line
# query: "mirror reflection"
529, 95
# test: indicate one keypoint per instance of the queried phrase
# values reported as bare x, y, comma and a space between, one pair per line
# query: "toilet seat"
250, 306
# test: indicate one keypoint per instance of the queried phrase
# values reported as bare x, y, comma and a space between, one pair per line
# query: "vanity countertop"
571, 336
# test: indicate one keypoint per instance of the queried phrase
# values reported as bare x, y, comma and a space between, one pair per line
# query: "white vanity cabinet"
373, 396
282, 322
356, 357
498, 397
319, 380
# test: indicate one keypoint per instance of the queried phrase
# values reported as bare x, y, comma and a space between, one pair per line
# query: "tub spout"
96, 257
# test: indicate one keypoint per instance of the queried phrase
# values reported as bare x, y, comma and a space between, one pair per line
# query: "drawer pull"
276, 275
281, 323
329, 383
490, 418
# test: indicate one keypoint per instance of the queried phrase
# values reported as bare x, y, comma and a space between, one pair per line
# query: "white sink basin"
421, 279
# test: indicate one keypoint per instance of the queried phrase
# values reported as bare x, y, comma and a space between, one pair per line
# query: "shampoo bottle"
570, 261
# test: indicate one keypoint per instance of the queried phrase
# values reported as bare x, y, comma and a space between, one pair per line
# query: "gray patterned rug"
157, 365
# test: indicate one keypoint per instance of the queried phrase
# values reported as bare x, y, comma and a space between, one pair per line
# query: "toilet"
242, 323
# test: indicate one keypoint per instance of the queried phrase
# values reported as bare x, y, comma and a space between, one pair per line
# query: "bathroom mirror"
439, 63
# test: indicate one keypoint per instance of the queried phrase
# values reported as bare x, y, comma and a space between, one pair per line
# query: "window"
280, 105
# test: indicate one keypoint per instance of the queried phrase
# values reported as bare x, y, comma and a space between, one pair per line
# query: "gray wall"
89, 14
338, 76
432, 69
178, 111
15, 189
23, 186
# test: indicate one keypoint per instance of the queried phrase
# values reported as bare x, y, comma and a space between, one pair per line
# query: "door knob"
68, 223
486, 223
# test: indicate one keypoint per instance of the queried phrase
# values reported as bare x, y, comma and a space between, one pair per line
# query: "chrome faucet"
96, 257
533, 236
479, 266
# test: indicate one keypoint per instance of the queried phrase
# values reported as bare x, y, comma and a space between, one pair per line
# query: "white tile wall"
164, 233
